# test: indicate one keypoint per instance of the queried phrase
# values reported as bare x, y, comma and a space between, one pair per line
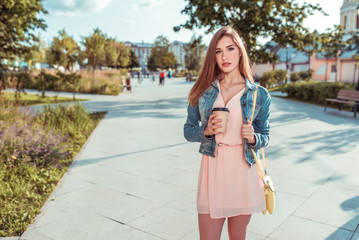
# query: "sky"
144, 20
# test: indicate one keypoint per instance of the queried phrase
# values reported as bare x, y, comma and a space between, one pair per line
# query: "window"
334, 68
345, 22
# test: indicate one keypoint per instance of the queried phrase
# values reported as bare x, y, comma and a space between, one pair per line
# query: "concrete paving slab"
330, 214
167, 223
302, 229
126, 232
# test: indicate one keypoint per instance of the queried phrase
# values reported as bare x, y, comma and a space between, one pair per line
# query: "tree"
111, 52
64, 51
95, 48
332, 42
18, 21
133, 62
161, 57
280, 21
124, 57
194, 53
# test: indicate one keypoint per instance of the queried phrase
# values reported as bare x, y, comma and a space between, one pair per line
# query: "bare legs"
211, 229
237, 227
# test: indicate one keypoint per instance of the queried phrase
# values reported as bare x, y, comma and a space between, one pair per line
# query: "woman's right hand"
212, 125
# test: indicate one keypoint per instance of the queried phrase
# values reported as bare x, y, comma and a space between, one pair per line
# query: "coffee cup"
222, 113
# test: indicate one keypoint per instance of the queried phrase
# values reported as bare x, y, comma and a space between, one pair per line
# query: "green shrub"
315, 91
267, 79
305, 75
294, 77
280, 77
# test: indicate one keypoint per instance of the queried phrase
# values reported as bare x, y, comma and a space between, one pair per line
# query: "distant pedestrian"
162, 78
229, 186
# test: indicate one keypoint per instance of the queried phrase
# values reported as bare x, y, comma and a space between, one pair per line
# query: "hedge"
315, 91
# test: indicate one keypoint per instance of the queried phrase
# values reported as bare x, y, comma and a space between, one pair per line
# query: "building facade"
142, 51
178, 49
349, 17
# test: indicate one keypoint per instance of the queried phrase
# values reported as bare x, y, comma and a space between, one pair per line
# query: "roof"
348, 53
300, 57
283, 52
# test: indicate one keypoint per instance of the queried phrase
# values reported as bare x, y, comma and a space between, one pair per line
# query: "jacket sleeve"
193, 130
261, 124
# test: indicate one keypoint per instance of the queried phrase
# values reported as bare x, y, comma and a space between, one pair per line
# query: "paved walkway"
136, 177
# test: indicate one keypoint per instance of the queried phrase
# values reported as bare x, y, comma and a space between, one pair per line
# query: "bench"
350, 97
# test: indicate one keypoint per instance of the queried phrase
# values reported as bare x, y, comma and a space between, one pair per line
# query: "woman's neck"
233, 77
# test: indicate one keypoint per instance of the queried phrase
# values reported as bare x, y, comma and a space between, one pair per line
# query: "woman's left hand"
248, 132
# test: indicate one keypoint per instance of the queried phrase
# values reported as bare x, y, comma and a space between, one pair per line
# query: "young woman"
228, 184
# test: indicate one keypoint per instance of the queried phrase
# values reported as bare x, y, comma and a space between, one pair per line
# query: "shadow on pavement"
351, 204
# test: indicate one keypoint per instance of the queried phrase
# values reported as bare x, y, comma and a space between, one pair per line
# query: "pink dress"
227, 185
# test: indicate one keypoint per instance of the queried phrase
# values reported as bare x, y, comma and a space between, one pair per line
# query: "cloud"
75, 8
147, 4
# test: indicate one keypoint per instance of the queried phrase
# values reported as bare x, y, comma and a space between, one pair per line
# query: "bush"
294, 77
315, 91
268, 79
280, 77
305, 75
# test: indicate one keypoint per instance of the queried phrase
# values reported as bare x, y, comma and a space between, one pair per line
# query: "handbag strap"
254, 155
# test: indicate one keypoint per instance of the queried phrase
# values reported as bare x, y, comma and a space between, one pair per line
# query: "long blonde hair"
210, 70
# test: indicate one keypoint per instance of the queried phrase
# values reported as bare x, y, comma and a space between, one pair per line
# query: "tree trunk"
355, 69
326, 70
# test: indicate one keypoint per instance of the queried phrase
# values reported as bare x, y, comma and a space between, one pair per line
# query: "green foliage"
279, 21
303, 76
315, 91
133, 60
194, 53
71, 79
95, 48
306, 75
26, 183
280, 77
274, 78
19, 19
294, 76
161, 57
63, 51
45, 81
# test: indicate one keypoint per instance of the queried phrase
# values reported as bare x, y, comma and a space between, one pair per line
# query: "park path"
136, 177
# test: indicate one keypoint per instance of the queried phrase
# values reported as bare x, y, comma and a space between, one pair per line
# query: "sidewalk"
136, 177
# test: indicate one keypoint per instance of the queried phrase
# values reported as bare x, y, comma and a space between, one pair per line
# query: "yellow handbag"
269, 192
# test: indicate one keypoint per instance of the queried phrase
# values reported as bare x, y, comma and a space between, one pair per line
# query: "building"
341, 68
142, 51
349, 17
178, 49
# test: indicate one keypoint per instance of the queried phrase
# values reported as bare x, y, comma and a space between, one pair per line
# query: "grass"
35, 152
32, 99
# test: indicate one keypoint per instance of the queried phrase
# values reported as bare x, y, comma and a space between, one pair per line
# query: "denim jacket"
198, 116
